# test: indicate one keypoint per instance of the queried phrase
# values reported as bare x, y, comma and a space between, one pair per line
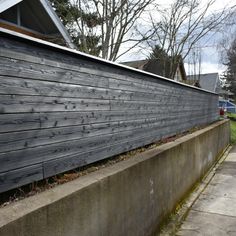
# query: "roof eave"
48, 8
6, 4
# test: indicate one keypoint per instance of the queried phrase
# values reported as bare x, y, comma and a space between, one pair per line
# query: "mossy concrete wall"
132, 197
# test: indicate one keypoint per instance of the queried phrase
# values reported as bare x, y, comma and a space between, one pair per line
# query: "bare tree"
118, 28
227, 36
119, 21
103, 26
194, 62
182, 25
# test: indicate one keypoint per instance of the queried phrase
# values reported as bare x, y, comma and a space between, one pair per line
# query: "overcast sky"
209, 52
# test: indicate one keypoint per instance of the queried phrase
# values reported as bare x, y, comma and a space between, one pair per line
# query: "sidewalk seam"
212, 213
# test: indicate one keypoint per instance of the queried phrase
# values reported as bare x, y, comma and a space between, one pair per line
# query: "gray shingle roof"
139, 64
155, 66
208, 82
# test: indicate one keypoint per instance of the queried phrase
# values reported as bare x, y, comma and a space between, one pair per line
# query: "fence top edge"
43, 43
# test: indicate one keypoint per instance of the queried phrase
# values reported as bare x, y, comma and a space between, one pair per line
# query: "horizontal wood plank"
20, 177
16, 103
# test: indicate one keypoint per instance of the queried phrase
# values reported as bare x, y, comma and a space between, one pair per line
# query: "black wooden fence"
60, 109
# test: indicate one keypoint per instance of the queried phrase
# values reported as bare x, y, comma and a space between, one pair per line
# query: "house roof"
40, 16
154, 66
208, 82
136, 64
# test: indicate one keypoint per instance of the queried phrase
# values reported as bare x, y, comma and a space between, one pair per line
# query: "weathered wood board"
60, 110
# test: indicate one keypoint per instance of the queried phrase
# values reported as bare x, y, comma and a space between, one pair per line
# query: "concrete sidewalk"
214, 213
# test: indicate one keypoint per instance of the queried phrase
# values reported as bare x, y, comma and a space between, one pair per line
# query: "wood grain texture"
19, 177
60, 111
11, 123
39, 137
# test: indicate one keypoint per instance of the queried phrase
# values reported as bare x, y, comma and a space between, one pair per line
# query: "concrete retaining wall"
132, 197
